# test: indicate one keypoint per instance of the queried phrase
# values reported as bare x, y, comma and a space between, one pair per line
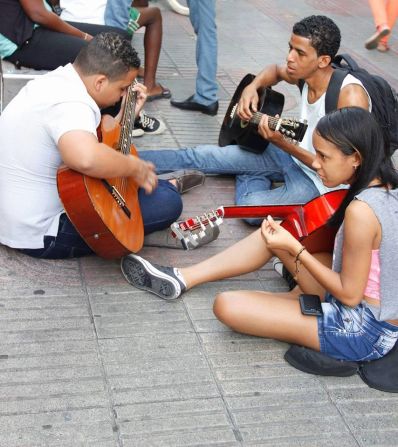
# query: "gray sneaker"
165, 282
186, 179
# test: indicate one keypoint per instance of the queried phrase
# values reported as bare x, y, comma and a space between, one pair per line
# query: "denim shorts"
354, 334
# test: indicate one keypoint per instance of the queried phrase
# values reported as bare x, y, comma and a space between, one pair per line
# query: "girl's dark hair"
109, 54
353, 129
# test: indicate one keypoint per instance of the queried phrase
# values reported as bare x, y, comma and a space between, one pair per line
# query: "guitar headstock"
199, 230
291, 128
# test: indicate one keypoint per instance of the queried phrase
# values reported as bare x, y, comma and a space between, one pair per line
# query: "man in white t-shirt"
54, 120
313, 44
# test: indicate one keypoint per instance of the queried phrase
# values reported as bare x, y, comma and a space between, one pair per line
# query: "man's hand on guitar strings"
141, 97
248, 103
265, 131
144, 174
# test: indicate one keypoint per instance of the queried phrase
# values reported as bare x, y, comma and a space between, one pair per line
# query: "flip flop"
166, 93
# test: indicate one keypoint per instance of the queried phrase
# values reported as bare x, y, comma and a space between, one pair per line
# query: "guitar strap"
333, 90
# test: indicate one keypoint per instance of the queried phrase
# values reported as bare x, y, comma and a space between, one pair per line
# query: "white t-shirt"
84, 11
30, 128
313, 113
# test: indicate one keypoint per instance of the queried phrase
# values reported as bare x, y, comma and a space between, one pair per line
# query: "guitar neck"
127, 122
277, 211
272, 120
243, 212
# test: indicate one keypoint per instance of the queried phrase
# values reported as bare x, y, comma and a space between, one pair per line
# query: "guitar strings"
126, 133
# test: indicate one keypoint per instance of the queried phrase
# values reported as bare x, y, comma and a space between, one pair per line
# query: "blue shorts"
354, 334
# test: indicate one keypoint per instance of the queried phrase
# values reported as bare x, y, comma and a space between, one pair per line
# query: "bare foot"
158, 91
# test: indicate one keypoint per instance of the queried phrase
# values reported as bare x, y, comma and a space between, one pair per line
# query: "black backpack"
384, 97
381, 374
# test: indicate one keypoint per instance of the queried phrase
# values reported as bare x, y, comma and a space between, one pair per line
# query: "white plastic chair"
9, 71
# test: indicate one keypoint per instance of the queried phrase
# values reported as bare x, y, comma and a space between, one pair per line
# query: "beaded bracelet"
297, 260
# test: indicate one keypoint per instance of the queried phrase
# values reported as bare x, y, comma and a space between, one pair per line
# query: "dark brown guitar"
244, 133
106, 212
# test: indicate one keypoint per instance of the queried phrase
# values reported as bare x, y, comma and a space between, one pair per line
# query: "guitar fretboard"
272, 121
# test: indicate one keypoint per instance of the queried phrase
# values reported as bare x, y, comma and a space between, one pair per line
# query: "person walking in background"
384, 14
202, 14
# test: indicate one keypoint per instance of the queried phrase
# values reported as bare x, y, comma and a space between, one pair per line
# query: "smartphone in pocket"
310, 304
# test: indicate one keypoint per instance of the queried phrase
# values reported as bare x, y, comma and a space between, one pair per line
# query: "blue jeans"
159, 210
254, 172
117, 13
353, 333
202, 14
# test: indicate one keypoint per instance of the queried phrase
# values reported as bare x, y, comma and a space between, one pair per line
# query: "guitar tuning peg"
209, 219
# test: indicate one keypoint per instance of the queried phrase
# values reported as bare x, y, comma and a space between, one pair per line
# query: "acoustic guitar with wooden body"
106, 212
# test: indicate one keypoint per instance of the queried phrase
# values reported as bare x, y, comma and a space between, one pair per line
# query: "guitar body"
235, 131
307, 223
110, 222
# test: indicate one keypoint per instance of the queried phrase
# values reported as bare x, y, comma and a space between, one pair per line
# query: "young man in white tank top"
313, 44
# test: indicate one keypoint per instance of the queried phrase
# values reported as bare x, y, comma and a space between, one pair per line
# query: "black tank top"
14, 23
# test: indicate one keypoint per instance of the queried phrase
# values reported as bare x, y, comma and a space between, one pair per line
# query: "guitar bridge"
117, 196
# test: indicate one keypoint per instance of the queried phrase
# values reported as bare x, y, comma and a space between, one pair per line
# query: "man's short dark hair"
109, 54
323, 33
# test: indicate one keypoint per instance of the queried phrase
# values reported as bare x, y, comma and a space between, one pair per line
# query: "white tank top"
313, 113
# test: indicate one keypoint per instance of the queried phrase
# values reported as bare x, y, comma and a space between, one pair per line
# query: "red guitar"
106, 212
307, 223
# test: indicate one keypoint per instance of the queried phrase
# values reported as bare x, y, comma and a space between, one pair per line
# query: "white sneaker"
138, 132
149, 125
278, 266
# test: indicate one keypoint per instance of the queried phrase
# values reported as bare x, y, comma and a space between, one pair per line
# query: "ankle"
188, 279
382, 27
181, 277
